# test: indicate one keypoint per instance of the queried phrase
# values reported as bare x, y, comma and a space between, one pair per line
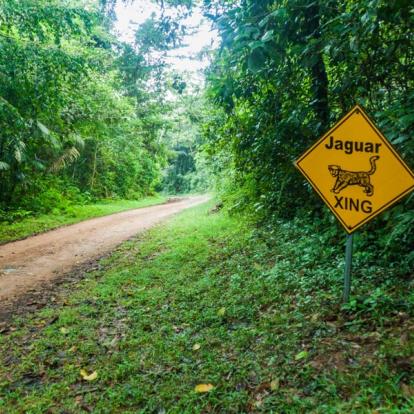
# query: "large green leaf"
256, 60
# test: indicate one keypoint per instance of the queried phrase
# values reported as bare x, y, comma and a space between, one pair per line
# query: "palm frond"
4, 166
49, 135
70, 155
77, 140
43, 128
18, 155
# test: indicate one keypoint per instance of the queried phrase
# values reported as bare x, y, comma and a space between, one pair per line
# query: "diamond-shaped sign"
355, 170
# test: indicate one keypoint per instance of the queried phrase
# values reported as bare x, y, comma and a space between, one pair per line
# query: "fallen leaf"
196, 347
404, 339
258, 403
88, 377
301, 355
407, 390
221, 311
114, 341
274, 385
203, 388
315, 317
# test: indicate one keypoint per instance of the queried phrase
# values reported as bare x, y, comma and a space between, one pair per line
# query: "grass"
74, 214
207, 299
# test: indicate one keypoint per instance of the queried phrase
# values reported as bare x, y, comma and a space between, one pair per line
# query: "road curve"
28, 263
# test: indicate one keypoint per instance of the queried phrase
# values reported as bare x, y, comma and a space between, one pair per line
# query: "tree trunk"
318, 70
94, 167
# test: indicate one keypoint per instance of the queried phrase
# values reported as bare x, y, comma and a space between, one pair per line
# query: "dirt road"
29, 263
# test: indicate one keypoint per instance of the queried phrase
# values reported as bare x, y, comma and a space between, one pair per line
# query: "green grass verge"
38, 224
206, 299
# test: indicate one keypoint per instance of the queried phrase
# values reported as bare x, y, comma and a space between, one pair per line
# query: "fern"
69, 156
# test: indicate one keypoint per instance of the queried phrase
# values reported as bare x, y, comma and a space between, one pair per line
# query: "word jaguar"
345, 178
350, 146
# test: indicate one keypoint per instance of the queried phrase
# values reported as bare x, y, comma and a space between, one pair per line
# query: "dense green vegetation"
187, 167
83, 116
243, 298
63, 109
255, 314
285, 72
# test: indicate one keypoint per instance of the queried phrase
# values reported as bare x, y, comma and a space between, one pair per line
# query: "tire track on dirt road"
28, 264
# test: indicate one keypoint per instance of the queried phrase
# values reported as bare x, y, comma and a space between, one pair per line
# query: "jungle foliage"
285, 72
81, 113
188, 168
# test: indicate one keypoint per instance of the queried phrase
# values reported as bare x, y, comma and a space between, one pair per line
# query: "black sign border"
356, 109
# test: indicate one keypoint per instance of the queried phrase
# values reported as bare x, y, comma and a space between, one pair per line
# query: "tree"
286, 70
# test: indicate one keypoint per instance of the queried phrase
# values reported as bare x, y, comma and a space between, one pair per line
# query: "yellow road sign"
355, 170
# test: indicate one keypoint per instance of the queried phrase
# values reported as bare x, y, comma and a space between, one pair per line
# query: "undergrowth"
209, 299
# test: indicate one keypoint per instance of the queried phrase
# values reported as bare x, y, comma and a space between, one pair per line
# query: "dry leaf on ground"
88, 377
274, 385
203, 388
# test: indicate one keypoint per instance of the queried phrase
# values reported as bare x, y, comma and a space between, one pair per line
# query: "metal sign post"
348, 267
357, 173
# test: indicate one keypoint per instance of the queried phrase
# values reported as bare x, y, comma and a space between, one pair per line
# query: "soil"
30, 268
